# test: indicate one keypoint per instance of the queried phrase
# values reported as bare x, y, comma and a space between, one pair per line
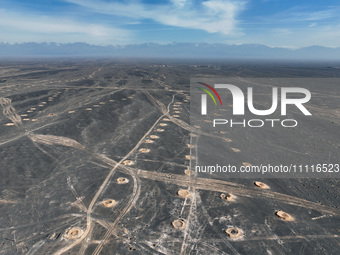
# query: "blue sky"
280, 23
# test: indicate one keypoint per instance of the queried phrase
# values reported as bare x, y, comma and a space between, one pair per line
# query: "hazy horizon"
171, 51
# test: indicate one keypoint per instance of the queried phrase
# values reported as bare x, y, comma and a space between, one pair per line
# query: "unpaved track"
136, 186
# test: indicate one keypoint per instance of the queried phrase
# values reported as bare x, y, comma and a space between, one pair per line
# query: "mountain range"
171, 50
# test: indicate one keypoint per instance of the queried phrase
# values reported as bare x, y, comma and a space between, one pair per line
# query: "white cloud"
14, 25
295, 37
300, 15
179, 3
214, 16
295, 28
314, 16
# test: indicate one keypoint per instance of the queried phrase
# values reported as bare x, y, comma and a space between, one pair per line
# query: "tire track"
136, 187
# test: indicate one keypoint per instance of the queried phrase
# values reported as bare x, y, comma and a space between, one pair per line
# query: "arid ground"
96, 158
